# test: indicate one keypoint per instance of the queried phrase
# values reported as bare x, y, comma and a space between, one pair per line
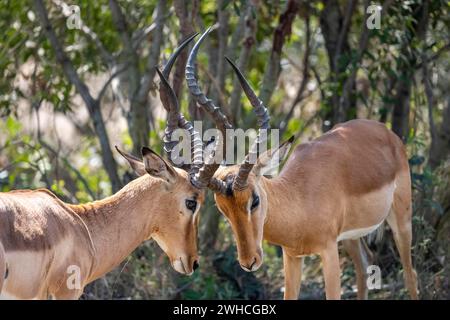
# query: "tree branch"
247, 45
108, 82
61, 56
343, 35
91, 35
153, 56
305, 78
282, 31
92, 104
186, 18
430, 100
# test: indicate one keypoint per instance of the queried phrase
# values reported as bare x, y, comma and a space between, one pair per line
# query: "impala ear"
136, 164
156, 166
271, 160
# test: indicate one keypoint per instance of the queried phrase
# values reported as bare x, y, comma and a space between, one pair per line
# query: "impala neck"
119, 223
280, 201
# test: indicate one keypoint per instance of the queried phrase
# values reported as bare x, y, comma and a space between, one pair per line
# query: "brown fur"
327, 187
97, 236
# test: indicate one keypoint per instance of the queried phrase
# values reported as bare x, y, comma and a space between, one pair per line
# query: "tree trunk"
440, 145
335, 29
406, 71
247, 43
92, 104
400, 115
282, 31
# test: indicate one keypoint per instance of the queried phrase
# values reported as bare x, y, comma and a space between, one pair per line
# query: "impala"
339, 187
44, 240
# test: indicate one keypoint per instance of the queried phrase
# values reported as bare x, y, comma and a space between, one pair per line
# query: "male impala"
44, 241
341, 186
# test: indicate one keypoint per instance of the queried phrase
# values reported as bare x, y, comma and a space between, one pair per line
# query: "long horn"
263, 121
175, 118
204, 178
169, 64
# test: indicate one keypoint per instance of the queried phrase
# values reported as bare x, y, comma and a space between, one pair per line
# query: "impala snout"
250, 258
186, 265
251, 264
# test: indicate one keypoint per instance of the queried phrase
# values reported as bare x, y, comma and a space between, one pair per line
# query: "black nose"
196, 265
249, 267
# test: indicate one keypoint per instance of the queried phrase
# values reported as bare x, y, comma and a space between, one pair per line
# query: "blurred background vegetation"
67, 95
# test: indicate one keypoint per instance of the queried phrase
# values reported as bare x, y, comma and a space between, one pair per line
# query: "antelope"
43, 240
339, 187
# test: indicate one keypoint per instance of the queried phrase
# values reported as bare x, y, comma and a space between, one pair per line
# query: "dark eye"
255, 201
191, 205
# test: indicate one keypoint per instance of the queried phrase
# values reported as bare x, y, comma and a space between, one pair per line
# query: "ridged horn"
175, 118
204, 177
263, 121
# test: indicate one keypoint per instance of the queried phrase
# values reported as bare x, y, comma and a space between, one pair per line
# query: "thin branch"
349, 83
141, 34
282, 31
108, 82
247, 44
319, 81
67, 163
128, 51
153, 56
434, 56
187, 20
222, 35
430, 100
305, 78
61, 56
222, 98
92, 104
345, 28
117, 93
121, 24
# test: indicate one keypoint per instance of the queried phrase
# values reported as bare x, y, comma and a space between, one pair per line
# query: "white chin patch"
178, 266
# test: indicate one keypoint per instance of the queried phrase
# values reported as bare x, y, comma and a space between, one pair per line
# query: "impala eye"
255, 201
191, 205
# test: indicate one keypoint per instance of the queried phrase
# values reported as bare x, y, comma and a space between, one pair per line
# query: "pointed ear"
270, 160
156, 166
136, 164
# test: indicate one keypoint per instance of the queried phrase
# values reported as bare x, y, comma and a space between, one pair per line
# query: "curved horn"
263, 121
207, 104
175, 119
169, 64
204, 177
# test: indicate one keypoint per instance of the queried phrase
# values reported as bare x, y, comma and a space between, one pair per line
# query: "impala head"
246, 208
238, 190
179, 202
174, 225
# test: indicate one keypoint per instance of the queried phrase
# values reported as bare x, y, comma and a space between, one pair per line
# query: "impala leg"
356, 252
331, 272
292, 276
403, 235
399, 219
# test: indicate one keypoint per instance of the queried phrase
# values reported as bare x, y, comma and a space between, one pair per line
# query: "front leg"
331, 272
292, 275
